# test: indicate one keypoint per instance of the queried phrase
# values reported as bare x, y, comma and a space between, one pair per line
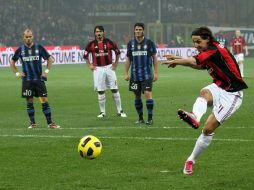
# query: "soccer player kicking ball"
225, 94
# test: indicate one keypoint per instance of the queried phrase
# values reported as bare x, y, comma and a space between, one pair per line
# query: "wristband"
47, 71
17, 74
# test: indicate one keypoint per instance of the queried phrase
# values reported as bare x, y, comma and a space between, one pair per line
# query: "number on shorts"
27, 93
134, 86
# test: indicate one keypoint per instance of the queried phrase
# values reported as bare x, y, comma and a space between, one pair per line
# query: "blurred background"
168, 22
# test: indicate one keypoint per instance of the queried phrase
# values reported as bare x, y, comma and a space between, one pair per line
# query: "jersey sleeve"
128, 54
153, 48
243, 41
44, 53
87, 51
16, 55
116, 48
202, 57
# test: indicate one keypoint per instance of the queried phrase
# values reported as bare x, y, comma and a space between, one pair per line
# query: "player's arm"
126, 69
246, 50
114, 65
14, 69
188, 62
50, 61
155, 67
89, 64
86, 57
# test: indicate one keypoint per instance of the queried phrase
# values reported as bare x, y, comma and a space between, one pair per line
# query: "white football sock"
102, 101
202, 143
117, 99
199, 107
241, 68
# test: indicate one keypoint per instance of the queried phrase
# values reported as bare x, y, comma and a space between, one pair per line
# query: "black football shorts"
141, 86
34, 89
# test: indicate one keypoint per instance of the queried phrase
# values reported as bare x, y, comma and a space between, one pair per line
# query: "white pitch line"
121, 127
136, 138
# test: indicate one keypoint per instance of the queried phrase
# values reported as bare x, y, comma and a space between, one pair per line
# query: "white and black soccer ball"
89, 147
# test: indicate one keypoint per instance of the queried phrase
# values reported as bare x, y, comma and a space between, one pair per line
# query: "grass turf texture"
133, 156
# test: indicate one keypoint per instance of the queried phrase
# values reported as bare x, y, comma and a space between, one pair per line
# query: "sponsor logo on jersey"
31, 58
101, 54
138, 53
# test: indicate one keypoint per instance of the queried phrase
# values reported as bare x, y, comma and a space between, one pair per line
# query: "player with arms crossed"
103, 69
141, 57
225, 94
30, 55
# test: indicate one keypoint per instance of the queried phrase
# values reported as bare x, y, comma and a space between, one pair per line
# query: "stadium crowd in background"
52, 27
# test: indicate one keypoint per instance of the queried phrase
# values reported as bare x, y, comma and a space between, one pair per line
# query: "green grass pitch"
133, 157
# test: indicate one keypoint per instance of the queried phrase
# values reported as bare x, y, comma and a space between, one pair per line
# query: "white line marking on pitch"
136, 138
122, 127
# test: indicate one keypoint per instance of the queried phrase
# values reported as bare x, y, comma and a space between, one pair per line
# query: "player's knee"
43, 99
148, 94
207, 131
30, 100
206, 94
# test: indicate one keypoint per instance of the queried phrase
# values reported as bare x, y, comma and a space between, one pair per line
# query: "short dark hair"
204, 32
101, 28
140, 24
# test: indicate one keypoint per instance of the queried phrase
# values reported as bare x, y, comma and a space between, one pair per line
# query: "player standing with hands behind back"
30, 55
225, 94
103, 69
141, 57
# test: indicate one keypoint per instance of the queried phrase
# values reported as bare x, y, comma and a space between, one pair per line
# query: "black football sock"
149, 106
30, 112
139, 108
47, 112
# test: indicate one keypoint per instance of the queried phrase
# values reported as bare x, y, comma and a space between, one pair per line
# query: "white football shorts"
239, 57
104, 78
224, 103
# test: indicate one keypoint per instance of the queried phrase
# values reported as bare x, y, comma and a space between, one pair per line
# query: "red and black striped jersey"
238, 44
222, 67
101, 51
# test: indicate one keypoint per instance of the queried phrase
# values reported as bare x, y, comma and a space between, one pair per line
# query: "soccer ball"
89, 147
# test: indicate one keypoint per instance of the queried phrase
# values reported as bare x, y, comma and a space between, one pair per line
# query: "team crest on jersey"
145, 46
30, 51
36, 51
139, 46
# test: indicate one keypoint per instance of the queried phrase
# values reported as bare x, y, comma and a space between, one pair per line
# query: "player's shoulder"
107, 40
149, 42
90, 43
131, 42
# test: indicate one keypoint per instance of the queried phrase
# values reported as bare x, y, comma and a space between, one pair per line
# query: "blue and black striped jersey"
31, 60
141, 59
